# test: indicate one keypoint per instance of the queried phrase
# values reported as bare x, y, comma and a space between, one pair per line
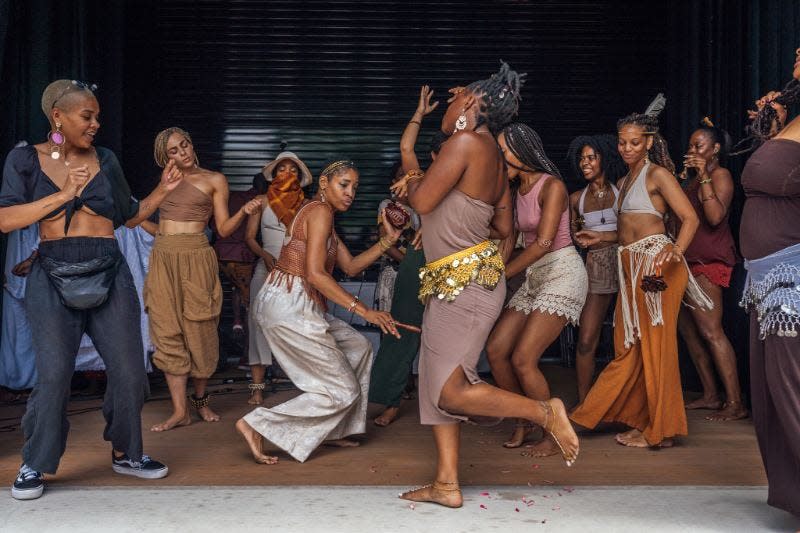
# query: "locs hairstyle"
160, 145
499, 97
648, 121
760, 129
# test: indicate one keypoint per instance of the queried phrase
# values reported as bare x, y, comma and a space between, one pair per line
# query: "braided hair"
335, 168
527, 146
160, 145
605, 146
760, 129
658, 152
499, 97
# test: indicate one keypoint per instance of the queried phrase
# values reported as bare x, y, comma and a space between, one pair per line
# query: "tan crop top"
186, 203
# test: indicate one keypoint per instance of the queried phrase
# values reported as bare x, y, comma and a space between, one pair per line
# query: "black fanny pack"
82, 285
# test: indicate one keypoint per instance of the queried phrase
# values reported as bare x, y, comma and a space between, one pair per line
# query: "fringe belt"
773, 290
447, 277
641, 257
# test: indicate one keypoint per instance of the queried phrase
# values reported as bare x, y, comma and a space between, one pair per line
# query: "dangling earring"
461, 122
56, 139
322, 195
646, 158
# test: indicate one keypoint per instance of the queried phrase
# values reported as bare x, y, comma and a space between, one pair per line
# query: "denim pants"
115, 330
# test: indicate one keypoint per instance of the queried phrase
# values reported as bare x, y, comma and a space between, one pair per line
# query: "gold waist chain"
447, 277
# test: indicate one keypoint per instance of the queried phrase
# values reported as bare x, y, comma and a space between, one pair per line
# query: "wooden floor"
403, 454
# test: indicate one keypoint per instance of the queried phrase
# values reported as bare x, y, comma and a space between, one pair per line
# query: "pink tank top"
529, 214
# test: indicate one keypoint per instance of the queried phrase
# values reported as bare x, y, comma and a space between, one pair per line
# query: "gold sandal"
549, 425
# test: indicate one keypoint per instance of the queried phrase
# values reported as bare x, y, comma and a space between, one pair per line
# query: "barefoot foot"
545, 448
254, 442
256, 398
207, 414
635, 439
176, 420
733, 410
446, 494
704, 403
560, 429
520, 434
342, 443
387, 417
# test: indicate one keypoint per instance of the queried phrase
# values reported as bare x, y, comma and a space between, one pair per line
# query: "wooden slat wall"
341, 78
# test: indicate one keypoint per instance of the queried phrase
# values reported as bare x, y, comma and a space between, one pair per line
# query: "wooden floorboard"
714, 453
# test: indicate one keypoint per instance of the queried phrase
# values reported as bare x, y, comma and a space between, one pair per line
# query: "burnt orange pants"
641, 387
183, 300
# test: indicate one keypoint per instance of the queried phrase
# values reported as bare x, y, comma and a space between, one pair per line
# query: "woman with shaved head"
80, 282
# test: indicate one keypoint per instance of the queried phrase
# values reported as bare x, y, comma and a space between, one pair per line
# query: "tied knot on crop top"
186, 203
107, 194
637, 199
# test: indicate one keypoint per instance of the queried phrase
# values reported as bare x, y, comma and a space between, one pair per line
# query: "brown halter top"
186, 203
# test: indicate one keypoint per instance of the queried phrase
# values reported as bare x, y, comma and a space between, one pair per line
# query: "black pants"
775, 389
115, 329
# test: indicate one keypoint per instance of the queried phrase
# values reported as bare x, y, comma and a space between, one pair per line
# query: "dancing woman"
555, 279
464, 202
641, 387
323, 356
78, 195
711, 257
770, 243
287, 175
593, 212
182, 294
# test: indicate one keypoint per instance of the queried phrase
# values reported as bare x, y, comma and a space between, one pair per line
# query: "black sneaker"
28, 485
146, 468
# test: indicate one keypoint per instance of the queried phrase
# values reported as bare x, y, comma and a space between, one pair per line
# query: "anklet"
437, 485
201, 402
256, 387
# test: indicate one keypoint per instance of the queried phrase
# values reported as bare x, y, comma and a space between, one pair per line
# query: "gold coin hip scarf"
445, 278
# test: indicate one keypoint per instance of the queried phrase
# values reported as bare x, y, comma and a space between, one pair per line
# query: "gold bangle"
353, 304
385, 243
703, 182
412, 175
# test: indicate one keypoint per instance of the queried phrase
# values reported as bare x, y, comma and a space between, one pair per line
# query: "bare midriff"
175, 227
632, 227
84, 224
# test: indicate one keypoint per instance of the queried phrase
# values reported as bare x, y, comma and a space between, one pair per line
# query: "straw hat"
305, 175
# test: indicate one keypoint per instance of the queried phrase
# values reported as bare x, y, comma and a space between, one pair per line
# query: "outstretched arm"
319, 226
227, 224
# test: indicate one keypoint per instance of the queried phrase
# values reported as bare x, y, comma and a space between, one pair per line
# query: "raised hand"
171, 176
77, 177
695, 161
400, 187
424, 106
253, 206
390, 231
454, 92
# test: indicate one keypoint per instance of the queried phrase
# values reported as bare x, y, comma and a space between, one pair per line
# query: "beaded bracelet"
353, 304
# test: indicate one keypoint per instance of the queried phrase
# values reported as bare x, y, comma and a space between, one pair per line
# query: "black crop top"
107, 194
